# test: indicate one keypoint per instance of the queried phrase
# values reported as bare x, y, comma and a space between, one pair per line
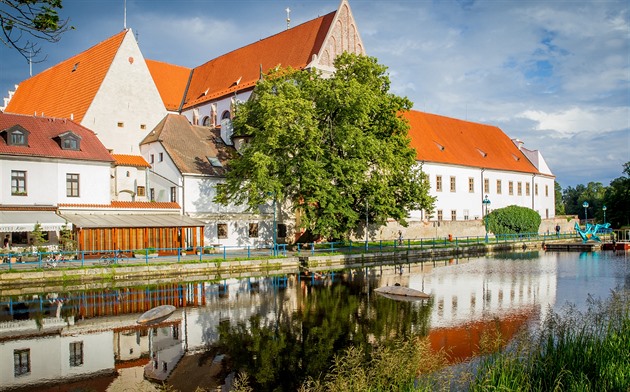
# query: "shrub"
513, 220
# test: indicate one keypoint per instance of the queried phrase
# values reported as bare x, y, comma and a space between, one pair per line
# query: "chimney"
518, 143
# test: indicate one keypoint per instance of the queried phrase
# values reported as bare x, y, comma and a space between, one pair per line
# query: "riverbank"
192, 269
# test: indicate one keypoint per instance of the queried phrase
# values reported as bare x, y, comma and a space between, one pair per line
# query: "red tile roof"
126, 205
43, 139
171, 81
68, 88
240, 68
447, 140
130, 160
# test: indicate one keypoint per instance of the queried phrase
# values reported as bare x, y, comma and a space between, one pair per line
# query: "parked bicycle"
112, 258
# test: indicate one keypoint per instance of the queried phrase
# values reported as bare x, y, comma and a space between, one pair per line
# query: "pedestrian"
557, 230
6, 244
400, 237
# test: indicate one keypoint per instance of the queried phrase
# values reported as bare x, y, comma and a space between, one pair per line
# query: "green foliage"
331, 148
616, 198
513, 220
66, 239
37, 235
558, 198
36, 18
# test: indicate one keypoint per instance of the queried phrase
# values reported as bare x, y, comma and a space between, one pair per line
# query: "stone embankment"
166, 270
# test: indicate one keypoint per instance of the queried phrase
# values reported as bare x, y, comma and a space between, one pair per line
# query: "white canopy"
11, 221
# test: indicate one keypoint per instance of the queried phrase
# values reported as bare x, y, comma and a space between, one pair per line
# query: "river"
282, 328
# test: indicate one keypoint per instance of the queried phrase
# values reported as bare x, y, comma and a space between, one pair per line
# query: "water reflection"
281, 329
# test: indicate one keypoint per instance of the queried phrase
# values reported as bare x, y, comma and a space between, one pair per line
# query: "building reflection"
92, 335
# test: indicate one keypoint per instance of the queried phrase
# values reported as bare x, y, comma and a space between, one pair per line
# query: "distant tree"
37, 235
38, 19
334, 148
617, 199
559, 202
66, 239
570, 198
513, 220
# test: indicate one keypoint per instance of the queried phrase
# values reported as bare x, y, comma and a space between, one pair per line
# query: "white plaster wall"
46, 181
162, 175
50, 357
127, 95
462, 199
126, 187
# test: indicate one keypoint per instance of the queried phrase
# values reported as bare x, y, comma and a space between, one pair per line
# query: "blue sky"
555, 74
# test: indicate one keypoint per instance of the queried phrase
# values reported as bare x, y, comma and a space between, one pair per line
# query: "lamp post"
604, 209
486, 203
585, 205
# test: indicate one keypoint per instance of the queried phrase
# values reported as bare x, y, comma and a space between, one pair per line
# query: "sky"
554, 74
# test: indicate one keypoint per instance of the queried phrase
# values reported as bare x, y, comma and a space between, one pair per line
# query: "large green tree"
24, 20
559, 203
334, 149
617, 199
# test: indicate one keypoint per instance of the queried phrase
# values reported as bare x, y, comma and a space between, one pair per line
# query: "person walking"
557, 230
400, 237
7, 243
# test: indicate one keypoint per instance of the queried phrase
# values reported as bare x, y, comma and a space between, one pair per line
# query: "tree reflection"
279, 352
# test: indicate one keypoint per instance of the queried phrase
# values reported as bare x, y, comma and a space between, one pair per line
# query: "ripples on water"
283, 328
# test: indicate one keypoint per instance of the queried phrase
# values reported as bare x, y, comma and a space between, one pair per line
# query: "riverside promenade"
315, 258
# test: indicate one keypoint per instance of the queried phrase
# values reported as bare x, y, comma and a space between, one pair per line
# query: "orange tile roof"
294, 47
171, 81
447, 140
68, 88
43, 139
126, 204
130, 160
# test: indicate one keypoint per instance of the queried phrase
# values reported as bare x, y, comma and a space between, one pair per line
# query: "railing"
217, 253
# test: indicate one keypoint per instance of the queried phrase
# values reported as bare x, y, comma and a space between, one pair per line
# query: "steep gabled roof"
447, 140
67, 89
191, 146
43, 139
130, 160
171, 81
241, 68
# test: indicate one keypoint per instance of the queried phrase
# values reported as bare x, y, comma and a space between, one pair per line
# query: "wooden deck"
622, 245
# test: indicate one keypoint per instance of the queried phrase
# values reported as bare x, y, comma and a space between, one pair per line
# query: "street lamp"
585, 205
604, 209
486, 203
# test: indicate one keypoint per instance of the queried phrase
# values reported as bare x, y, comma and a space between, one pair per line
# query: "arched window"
225, 115
206, 121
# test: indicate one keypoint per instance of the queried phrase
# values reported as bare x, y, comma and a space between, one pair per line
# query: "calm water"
281, 328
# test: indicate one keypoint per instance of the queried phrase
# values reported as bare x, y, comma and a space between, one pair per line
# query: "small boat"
401, 292
156, 315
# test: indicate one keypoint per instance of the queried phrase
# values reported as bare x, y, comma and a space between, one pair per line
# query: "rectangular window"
21, 362
151, 158
511, 188
519, 189
143, 126
536, 189
152, 194
173, 194
161, 157
527, 189
17, 138
140, 191
72, 185
253, 230
466, 214
499, 187
486, 186
76, 354
452, 183
438, 183
547, 190
121, 124
18, 183
471, 185
222, 230
439, 215
453, 215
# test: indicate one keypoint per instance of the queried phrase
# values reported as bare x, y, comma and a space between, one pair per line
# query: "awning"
25, 221
91, 221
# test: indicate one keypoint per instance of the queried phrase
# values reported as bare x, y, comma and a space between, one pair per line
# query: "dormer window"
70, 141
17, 136
214, 161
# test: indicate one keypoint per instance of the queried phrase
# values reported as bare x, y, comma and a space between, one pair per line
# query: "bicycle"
107, 259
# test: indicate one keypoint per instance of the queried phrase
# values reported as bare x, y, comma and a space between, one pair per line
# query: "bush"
513, 220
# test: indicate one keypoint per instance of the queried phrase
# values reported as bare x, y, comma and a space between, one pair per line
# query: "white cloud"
577, 120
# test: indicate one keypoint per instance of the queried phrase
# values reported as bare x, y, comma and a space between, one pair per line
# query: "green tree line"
615, 197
